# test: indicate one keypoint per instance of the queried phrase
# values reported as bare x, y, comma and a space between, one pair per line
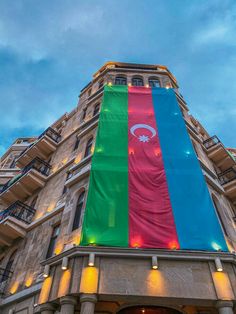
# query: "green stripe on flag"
106, 214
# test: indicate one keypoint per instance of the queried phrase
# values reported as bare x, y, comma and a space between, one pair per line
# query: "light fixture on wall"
91, 260
219, 266
64, 264
154, 262
46, 271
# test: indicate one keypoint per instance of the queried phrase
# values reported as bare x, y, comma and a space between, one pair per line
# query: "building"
44, 185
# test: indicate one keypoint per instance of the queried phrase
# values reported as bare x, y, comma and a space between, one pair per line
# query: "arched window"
88, 150
96, 109
218, 211
53, 241
137, 81
78, 211
154, 82
8, 268
84, 113
121, 80
76, 143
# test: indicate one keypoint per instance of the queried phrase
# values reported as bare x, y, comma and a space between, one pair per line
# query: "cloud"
50, 49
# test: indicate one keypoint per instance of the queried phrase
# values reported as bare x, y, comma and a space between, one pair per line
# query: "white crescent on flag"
143, 138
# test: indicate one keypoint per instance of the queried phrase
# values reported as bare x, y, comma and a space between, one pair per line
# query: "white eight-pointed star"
143, 138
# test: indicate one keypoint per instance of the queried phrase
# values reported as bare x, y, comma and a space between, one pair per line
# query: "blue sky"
50, 49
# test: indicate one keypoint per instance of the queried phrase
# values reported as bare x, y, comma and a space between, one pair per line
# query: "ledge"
47, 216
142, 253
21, 294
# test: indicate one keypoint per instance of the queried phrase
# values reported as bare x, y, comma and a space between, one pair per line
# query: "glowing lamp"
147, 85
91, 260
218, 264
109, 83
154, 262
46, 271
129, 84
64, 264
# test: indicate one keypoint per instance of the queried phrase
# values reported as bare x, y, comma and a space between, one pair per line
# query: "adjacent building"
43, 190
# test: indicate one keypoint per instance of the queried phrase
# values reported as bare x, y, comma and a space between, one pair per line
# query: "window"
137, 81
96, 109
154, 82
100, 84
218, 211
8, 267
53, 241
84, 113
121, 80
78, 211
88, 150
76, 143
13, 163
65, 189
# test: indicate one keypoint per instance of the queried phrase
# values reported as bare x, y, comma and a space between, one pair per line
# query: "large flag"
146, 186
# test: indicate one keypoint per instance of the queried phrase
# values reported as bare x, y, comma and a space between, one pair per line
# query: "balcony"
5, 275
46, 144
13, 222
228, 181
32, 177
218, 153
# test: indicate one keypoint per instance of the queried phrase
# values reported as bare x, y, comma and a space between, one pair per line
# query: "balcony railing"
37, 164
19, 211
45, 144
5, 275
227, 176
50, 132
212, 141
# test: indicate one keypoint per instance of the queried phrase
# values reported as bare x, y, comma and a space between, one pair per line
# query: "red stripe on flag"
151, 222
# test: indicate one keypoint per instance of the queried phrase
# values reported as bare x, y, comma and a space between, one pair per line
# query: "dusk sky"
50, 49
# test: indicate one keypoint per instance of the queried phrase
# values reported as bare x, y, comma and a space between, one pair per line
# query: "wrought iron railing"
211, 141
227, 176
19, 211
5, 275
37, 164
50, 132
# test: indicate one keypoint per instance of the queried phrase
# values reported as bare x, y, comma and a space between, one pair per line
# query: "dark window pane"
78, 211
120, 80
53, 240
76, 143
154, 83
96, 109
137, 81
88, 149
84, 113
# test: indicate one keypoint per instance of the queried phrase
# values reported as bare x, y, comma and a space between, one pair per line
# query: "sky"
50, 49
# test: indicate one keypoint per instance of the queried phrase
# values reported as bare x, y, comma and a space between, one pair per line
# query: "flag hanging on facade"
146, 186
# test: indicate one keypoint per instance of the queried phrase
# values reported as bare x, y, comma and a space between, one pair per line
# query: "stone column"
88, 302
47, 308
225, 307
68, 304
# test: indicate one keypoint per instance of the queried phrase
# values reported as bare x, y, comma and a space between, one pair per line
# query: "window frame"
134, 78
154, 79
78, 210
53, 239
96, 109
88, 148
120, 77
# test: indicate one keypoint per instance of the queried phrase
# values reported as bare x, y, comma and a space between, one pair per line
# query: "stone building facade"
44, 184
